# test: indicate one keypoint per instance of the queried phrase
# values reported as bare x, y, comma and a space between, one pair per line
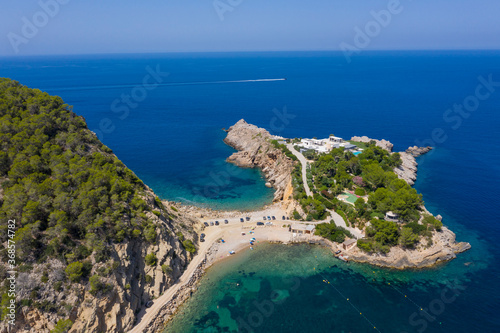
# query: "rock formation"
132, 283
384, 144
408, 168
256, 150
443, 248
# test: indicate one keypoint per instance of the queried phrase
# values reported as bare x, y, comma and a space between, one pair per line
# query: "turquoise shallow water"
173, 141
303, 288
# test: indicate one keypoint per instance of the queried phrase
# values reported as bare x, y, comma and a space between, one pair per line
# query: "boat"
343, 258
232, 252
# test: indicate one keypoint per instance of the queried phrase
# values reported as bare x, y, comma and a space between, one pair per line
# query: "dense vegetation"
332, 232
69, 195
369, 176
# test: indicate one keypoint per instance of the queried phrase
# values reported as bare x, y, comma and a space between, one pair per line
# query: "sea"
163, 115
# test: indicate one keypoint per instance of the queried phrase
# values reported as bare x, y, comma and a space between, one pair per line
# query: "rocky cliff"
256, 150
93, 244
443, 248
130, 282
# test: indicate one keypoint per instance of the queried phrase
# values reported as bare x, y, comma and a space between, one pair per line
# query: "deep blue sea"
170, 136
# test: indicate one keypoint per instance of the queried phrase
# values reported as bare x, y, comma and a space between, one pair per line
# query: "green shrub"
166, 269
96, 285
431, 221
149, 279
359, 191
62, 326
416, 227
408, 238
365, 245
189, 246
74, 271
151, 259
332, 232
45, 277
58, 286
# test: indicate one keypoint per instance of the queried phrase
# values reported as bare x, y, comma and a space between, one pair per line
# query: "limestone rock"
384, 144
443, 248
417, 151
255, 150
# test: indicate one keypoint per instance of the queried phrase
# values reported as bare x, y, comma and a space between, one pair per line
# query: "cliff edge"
256, 150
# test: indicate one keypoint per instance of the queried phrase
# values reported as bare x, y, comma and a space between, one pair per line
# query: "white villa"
326, 145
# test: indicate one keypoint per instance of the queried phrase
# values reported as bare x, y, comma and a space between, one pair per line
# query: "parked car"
260, 223
206, 224
216, 222
226, 221
241, 220
264, 218
248, 218
202, 235
269, 223
274, 217
149, 304
211, 223
202, 240
284, 218
269, 218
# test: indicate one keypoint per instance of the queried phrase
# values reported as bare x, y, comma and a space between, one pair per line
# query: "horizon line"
242, 51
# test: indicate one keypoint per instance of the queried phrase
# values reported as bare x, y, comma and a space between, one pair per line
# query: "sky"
38, 27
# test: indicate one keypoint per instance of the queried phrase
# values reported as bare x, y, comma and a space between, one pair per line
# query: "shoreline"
216, 253
253, 152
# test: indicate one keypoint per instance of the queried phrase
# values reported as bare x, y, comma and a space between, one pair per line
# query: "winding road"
303, 161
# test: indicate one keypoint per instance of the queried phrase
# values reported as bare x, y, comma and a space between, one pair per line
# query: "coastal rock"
408, 168
443, 248
256, 150
115, 310
417, 151
384, 144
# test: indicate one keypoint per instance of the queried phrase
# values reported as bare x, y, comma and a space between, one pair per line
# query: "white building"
325, 145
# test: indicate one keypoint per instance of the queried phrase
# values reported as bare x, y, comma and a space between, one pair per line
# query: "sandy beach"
236, 237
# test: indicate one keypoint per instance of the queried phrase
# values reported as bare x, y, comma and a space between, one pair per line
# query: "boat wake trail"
161, 84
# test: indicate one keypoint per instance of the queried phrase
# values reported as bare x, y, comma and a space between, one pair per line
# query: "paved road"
303, 161
339, 221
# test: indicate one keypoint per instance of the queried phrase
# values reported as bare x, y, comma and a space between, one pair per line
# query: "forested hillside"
84, 222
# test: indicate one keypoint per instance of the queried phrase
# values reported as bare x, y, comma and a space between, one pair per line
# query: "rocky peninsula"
256, 151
